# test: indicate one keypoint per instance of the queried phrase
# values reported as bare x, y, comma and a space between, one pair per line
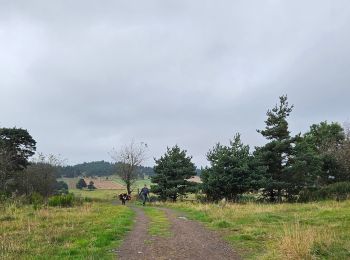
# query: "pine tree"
229, 173
171, 172
16, 146
81, 184
91, 185
327, 141
277, 153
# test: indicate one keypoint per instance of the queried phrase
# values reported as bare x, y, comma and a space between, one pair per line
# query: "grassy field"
100, 194
90, 231
283, 231
114, 178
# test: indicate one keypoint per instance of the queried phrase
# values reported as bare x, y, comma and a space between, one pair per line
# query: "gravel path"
189, 240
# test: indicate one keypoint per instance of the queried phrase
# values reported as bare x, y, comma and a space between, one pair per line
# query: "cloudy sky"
86, 76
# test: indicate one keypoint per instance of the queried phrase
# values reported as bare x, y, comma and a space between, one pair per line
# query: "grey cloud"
86, 76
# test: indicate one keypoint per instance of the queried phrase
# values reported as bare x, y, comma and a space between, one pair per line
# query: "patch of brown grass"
298, 241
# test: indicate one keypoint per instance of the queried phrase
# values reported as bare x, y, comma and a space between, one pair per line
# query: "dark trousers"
144, 199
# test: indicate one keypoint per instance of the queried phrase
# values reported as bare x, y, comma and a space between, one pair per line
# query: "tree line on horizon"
98, 169
286, 168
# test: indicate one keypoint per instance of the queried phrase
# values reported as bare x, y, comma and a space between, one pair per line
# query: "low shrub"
64, 200
3, 197
202, 198
61, 188
36, 199
338, 191
153, 198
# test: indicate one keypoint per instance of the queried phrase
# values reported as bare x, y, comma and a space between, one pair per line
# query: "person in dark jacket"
144, 194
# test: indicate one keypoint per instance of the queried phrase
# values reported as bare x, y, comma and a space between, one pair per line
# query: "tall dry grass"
298, 241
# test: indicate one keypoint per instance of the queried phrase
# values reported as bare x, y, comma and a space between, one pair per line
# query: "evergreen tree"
16, 146
81, 184
304, 169
328, 142
229, 171
171, 172
61, 188
91, 186
276, 154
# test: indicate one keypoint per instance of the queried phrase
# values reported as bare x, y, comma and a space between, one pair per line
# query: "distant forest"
101, 168
97, 168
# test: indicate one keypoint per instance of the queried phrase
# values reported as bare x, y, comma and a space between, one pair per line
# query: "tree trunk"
272, 196
128, 187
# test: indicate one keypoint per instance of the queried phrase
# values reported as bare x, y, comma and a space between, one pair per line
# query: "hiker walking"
144, 194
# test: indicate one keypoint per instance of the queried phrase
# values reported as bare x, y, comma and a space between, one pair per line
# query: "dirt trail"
189, 240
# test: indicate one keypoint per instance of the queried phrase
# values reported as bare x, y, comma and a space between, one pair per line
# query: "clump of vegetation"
36, 199
81, 184
300, 242
61, 188
64, 200
338, 191
91, 186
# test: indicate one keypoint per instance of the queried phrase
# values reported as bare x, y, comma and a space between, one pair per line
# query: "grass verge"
90, 231
283, 231
159, 223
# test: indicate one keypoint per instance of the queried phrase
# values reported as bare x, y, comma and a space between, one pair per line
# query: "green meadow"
90, 231
319, 230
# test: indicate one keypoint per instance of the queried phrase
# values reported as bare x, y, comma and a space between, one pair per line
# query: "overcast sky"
86, 76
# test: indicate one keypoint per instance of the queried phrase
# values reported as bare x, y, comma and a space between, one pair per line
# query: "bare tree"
128, 159
40, 175
346, 127
344, 153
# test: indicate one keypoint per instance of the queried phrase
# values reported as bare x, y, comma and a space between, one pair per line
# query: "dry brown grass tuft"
298, 241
